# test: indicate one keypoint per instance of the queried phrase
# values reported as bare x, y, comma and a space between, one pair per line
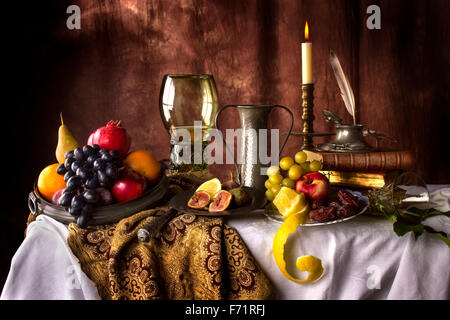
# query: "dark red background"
112, 69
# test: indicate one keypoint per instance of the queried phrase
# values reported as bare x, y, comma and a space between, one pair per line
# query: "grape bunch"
288, 172
89, 172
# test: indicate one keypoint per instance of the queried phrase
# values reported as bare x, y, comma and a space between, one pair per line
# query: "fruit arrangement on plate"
297, 186
100, 173
214, 197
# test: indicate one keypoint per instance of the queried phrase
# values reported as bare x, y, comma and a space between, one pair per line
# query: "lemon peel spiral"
306, 263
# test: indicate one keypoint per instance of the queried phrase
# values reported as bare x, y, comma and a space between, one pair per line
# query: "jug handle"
238, 172
290, 128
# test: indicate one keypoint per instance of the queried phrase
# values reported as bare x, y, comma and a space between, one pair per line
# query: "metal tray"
101, 215
274, 215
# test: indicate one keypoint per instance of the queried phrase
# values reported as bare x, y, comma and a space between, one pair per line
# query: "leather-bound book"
371, 161
366, 180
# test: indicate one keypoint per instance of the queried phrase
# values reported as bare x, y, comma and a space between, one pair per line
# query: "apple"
126, 189
314, 185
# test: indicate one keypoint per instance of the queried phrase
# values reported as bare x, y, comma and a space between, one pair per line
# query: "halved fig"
199, 200
221, 201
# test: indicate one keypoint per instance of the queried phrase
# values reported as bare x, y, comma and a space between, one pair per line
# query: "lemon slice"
288, 201
306, 263
211, 186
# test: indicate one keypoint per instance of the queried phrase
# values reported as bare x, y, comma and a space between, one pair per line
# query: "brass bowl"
104, 214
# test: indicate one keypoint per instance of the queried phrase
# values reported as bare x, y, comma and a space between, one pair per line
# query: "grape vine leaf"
413, 222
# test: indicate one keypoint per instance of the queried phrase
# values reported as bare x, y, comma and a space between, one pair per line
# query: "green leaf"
402, 227
441, 235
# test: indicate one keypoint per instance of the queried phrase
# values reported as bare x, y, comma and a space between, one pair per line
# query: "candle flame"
306, 30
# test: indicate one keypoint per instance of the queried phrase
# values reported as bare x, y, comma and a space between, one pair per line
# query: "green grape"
295, 172
305, 167
269, 195
315, 166
275, 179
275, 189
288, 182
300, 157
273, 170
286, 163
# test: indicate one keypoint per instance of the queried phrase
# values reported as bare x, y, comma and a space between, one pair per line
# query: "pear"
66, 141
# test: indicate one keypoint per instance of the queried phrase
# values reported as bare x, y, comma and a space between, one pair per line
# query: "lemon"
288, 201
211, 186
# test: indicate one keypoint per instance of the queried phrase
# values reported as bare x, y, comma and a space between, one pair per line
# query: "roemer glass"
188, 103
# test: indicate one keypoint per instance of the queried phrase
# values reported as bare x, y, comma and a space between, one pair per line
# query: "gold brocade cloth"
191, 257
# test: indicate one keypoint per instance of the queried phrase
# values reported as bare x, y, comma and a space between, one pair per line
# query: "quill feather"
344, 85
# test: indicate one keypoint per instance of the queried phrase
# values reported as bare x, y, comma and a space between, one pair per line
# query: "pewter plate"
180, 200
274, 215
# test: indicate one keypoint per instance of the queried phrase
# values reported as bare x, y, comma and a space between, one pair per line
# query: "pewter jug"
253, 118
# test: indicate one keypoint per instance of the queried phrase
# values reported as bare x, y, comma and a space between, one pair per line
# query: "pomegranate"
127, 189
111, 137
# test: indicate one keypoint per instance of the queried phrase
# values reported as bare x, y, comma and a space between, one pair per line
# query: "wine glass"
400, 197
188, 104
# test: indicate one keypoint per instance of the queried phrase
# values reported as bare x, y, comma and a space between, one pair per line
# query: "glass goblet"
188, 105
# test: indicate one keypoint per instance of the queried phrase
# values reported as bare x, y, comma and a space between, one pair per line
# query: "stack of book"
364, 170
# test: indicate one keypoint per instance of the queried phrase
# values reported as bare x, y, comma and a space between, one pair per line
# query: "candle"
306, 58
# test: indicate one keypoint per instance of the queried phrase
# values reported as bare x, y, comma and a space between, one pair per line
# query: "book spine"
379, 161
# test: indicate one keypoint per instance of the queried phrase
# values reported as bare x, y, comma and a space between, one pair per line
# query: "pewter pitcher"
253, 118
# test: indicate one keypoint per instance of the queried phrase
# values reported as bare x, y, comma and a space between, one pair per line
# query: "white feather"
344, 85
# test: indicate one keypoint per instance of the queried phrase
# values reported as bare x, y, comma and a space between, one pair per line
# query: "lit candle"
306, 58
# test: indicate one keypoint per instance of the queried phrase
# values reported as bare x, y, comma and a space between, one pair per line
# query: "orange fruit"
145, 164
50, 181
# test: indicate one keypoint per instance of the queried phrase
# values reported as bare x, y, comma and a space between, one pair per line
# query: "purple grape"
82, 220
75, 212
61, 169
91, 196
68, 175
78, 201
79, 154
91, 183
99, 164
68, 163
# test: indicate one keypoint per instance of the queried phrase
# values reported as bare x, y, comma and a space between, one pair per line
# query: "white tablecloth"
363, 259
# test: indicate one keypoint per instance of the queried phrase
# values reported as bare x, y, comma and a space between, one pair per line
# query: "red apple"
111, 137
126, 189
314, 185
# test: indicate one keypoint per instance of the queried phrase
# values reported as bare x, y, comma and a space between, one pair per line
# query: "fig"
231, 183
221, 201
199, 200
240, 197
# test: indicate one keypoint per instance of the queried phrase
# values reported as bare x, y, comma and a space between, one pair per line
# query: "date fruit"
348, 199
345, 211
323, 214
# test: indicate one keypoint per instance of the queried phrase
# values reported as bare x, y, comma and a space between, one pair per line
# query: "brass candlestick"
308, 115
308, 119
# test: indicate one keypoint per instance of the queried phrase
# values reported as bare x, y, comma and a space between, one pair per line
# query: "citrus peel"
306, 263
